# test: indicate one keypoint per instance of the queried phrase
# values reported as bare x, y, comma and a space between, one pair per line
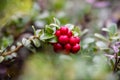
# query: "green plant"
43, 36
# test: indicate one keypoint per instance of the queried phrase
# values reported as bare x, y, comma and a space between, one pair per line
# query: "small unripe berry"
75, 48
57, 47
64, 30
57, 33
63, 39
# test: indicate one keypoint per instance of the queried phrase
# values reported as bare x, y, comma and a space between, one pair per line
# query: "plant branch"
111, 56
116, 62
17, 48
10, 52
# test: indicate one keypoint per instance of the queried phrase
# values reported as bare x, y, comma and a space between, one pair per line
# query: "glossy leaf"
48, 29
36, 42
53, 40
101, 45
100, 37
112, 28
45, 36
56, 21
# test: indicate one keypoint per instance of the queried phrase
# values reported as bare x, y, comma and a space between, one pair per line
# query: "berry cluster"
66, 41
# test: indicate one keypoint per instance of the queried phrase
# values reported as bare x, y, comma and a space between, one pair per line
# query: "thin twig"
116, 62
117, 59
111, 56
17, 48
4, 50
10, 52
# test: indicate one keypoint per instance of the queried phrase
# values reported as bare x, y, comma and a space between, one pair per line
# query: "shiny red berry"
75, 48
78, 39
64, 30
73, 40
57, 47
63, 39
57, 33
68, 47
69, 34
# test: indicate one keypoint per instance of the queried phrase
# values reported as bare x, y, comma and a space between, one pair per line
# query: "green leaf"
84, 32
53, 40
26, 42
56, 21
89, 40
38, 32
115, 37
36, 42
48, 29
55, 25
100, 37
5, 41
76, 31
45, 36
112, 28
105, 29
1, 58
70, 26
34, 30
101, 45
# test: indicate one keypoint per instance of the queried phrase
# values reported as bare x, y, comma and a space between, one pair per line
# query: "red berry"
73, 40
57, 47
78, 39
70, 33
68, 47
64, 30
63, 39
75, 48
57, 33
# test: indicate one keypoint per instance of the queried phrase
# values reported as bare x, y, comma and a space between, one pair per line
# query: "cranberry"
57, 47
75, 48
64, 30
57, 33
78, 39
69, 33
63, 39
73, 40
68, 47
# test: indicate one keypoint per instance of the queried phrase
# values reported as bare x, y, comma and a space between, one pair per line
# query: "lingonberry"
73, 40
57, 47
63, 39
69, 34
64, 30
68, 47
77, 39
75, 48
57, 33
